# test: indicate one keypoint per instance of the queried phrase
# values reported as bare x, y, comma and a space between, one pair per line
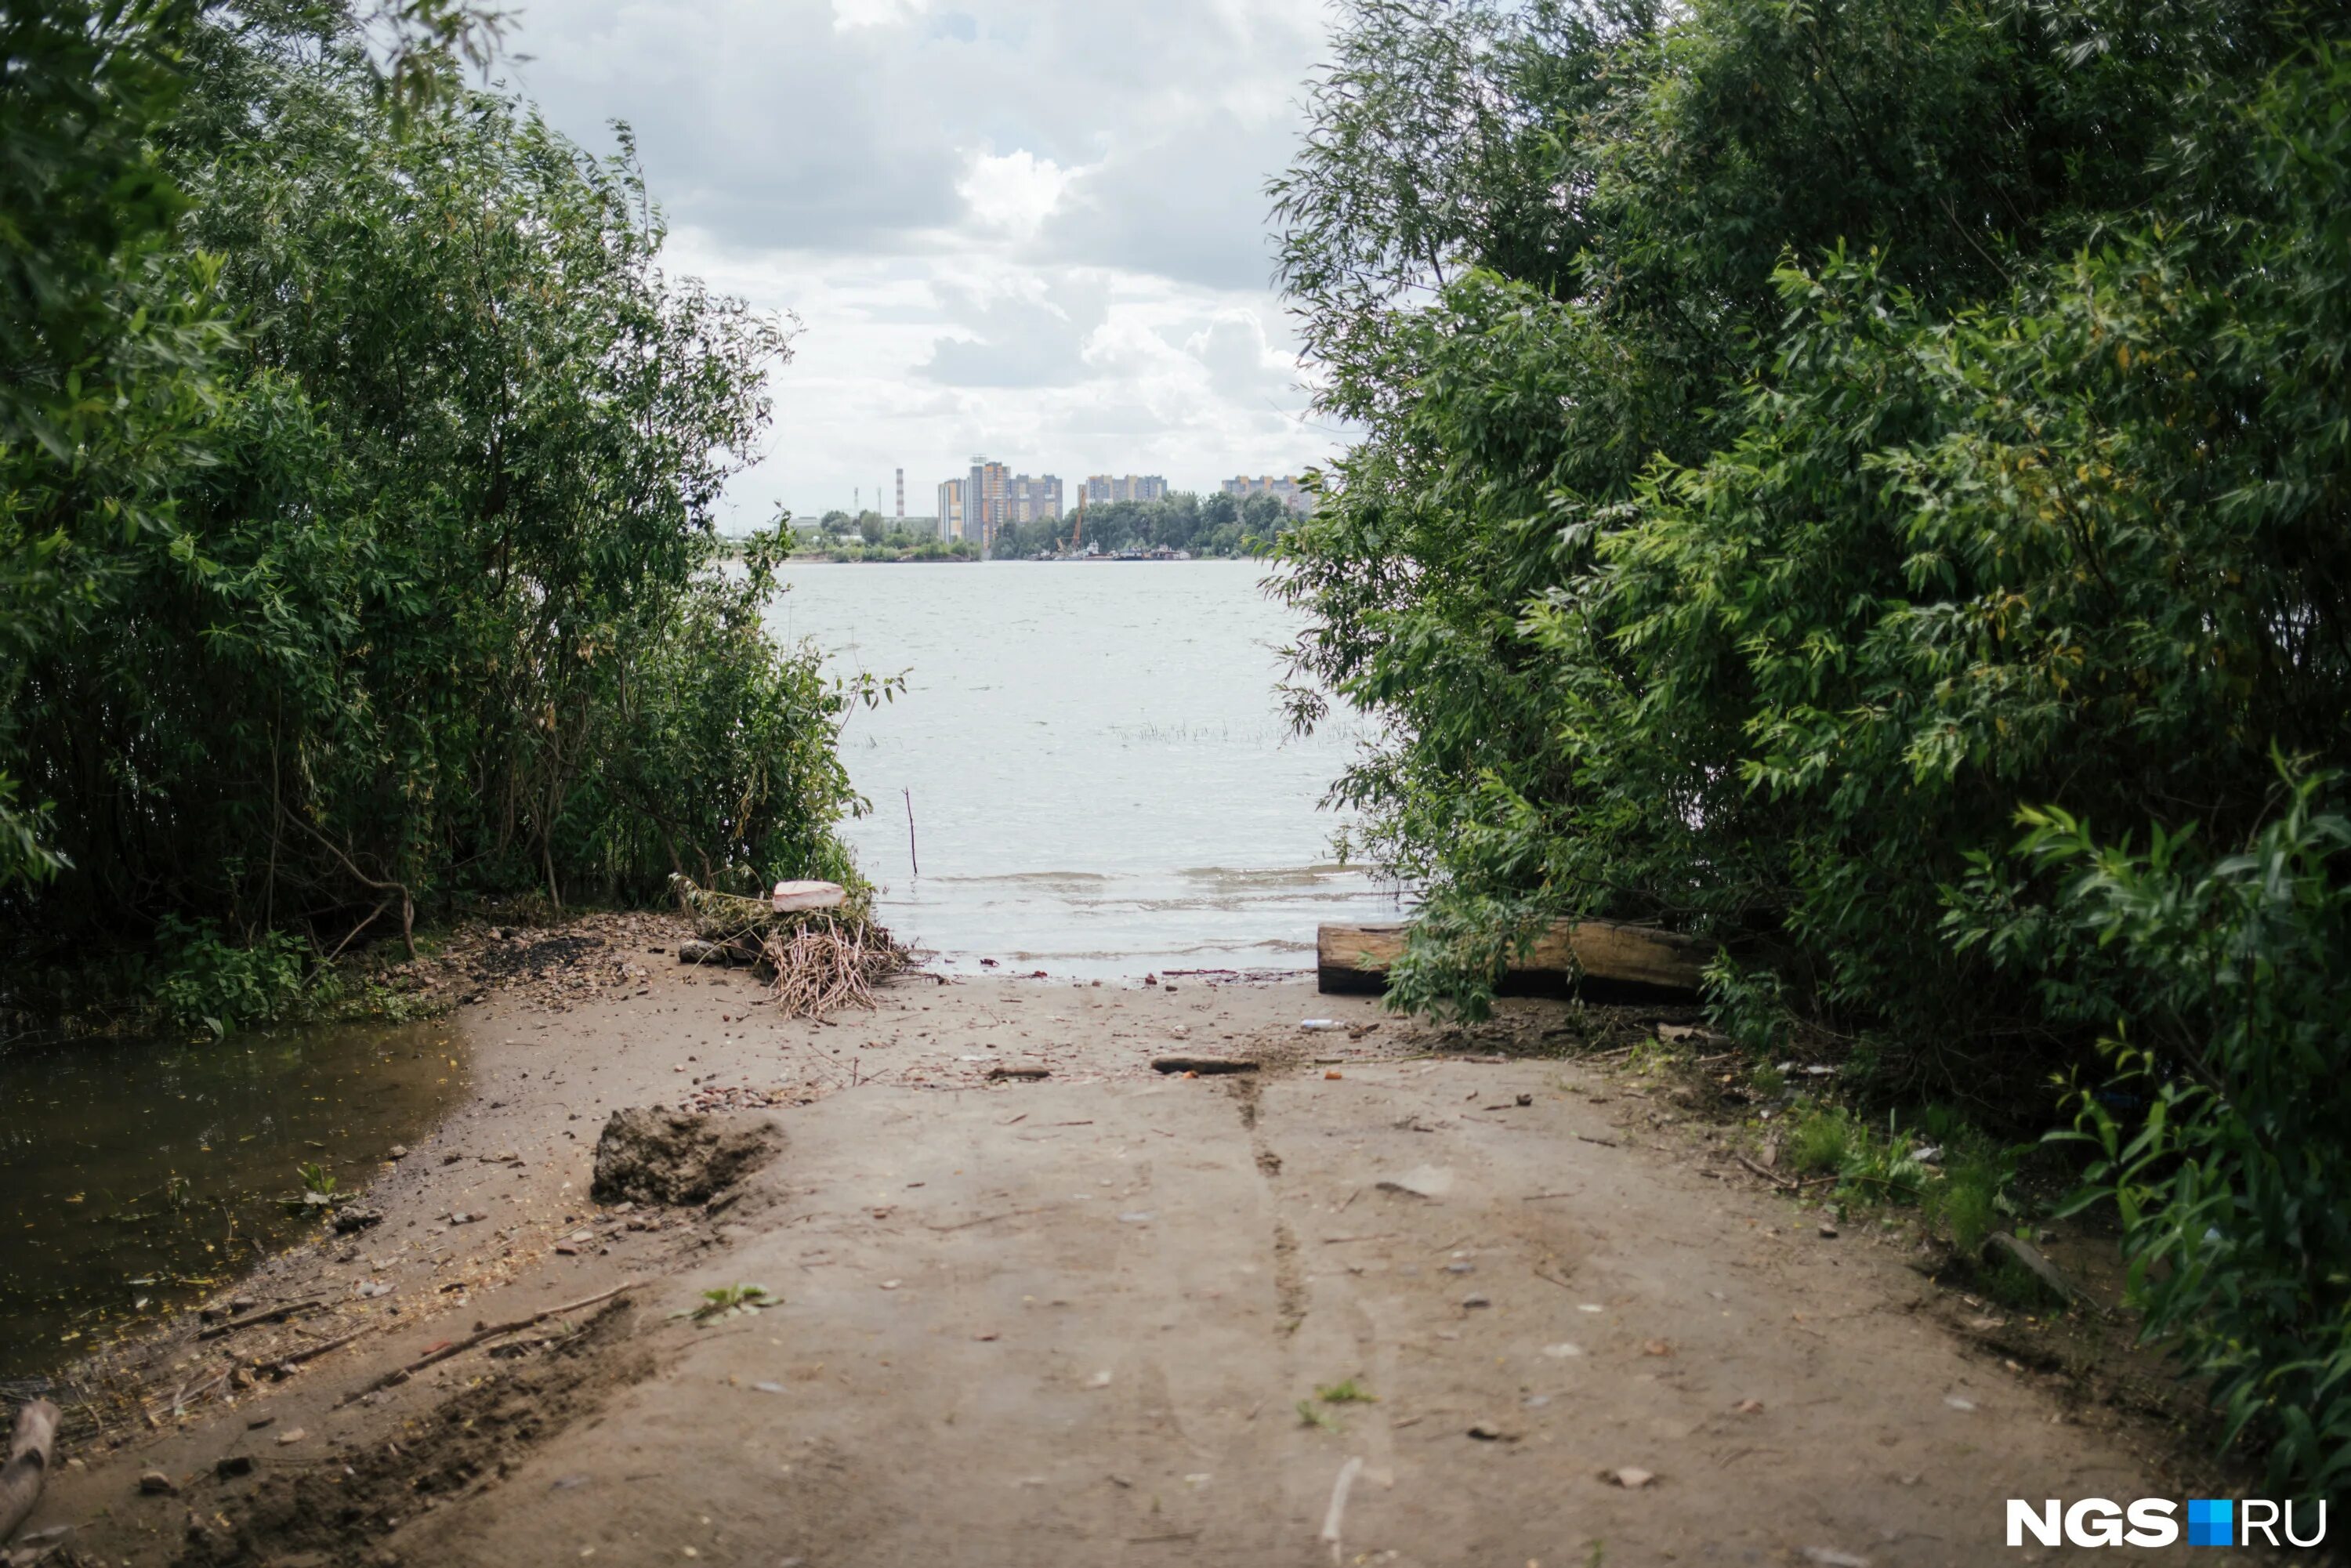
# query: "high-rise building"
901, 492
986, 502
1103, 487
951, 510
1036, 500
1292, 494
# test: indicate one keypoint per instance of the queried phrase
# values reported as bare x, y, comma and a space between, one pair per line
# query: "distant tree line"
1213, 525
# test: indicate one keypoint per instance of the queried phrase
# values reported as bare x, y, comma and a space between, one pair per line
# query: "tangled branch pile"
817, 960
822, 962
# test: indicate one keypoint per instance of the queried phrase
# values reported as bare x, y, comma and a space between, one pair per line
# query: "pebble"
156, 1481
1474, 1300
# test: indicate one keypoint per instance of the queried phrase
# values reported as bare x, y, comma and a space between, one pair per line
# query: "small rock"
1474, 1300
1492, 1432
1828, 1230
1829, 1557
1656, 1348
1461, 1268
1629, 1478
350, 1219
154, 1482
890, 1284
1748, 1408
1959, 1403
397, 1152
1526, 1099
231, 1466
295, 1435
566, 1249
1562, 1351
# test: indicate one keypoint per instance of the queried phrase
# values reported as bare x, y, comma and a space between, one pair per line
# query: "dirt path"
1073, 1320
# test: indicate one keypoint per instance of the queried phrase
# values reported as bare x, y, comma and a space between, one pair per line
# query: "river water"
144, 1174
1101, 784
1101, 778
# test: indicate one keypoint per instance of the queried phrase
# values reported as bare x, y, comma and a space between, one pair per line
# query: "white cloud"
1012, 194
849, 13
1092, 297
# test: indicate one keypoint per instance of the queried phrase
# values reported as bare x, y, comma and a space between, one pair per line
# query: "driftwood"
1357, 959
282, 1311
1201, 1064
480, 1337
30, 1448
285, 1363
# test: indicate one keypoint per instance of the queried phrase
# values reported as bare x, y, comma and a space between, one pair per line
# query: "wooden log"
1571, 954
30, 1448
1204, 1065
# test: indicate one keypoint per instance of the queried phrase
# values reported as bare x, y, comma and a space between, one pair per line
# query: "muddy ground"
1090, 1317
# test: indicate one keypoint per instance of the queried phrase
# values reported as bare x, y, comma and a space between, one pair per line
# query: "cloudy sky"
1034, 229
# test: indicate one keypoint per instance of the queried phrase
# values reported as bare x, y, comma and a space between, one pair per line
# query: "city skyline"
970, 272
1020, 497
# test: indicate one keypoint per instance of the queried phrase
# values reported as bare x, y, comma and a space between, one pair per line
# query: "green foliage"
356, 539
730, 1302
316, 1180
1347, 1391
1206, 526
2224, 1139
1821, 1142
211, 987
1797, 438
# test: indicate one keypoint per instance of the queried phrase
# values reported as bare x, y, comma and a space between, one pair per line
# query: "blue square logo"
2211, 1521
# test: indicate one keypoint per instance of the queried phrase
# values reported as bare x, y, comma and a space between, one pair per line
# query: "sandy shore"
1076, 1319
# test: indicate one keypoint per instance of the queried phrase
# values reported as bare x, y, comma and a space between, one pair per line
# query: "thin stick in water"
911, 855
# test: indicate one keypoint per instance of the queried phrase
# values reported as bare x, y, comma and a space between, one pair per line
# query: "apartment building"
1298, 499
951, 510
987, 501
1105, 488
1036, 500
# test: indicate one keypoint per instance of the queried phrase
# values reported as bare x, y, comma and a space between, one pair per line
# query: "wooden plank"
1356, 958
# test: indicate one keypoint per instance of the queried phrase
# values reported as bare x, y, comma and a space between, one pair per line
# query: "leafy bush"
212, 985
2233, 1175
1795, 439
357, 540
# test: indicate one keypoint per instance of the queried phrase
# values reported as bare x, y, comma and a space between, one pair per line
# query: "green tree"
392, 568
1796, 441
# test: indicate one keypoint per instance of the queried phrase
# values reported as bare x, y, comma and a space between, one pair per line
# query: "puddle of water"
142, 1174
